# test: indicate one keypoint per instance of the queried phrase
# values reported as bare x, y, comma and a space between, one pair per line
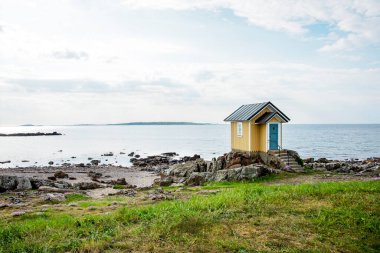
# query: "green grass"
118, 186
243, 217
76, 197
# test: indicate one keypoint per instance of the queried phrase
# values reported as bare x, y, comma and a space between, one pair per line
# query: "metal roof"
247, 112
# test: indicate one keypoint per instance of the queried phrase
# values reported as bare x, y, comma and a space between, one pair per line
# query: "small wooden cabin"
257, 127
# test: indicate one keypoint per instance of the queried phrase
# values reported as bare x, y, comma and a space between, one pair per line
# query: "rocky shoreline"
369, 166
22, 188
167, 169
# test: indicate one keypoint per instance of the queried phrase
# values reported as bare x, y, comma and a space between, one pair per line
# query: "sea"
79, 144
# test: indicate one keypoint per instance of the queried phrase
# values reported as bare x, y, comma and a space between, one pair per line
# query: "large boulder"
9, 183
185, 169
197, 178
38, 182
220, 175
243, 173
87, 185
166, 181
252, 171
23, 183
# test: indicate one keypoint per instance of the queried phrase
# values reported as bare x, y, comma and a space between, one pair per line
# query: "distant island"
154, 123
149, 123
30, 134
164, 123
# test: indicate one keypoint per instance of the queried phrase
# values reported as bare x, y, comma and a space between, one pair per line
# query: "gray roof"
247, 112
265, 117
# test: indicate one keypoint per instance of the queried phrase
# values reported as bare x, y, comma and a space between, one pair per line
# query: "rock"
23, 183
53, 197
38, 182
190, 158
322, 160
18, 213
108, 154
158, 190
240, 174
253, 171
220, 175
160, 194
92, 208
24, 161
3, 162
61, 174
51, 163
14, 200
95, 162
137, 156
62, 185
126, 192
122, 153
60, 151
73, 157
52, 178
131, 154
170, 154
119, 181
309, 160
87, 185
195, 179
8, 183
332, 166
82, 165
4, 205
53, 189
184, 170
166, 181
94, 175
72, 178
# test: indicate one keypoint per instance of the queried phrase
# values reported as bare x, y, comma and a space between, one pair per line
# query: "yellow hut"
257, 127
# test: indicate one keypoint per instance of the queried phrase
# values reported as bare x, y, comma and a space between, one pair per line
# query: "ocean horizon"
332, 141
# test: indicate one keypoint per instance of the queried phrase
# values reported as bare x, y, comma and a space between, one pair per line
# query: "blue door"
273, 136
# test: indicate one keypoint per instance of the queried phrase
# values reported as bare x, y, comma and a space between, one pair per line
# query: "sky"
111, 61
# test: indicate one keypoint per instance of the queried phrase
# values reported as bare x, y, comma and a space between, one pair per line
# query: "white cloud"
357, 19
65, 62
176, 92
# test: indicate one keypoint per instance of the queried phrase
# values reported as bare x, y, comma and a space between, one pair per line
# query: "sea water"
81, 143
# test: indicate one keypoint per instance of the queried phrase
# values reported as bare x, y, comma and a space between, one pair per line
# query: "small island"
30, 134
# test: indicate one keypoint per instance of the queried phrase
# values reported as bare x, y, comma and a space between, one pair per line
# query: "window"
239, 129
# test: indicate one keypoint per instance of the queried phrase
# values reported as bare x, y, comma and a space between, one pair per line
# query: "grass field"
242, 217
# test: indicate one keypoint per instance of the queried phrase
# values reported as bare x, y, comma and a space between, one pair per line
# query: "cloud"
70, 55
199, 92
152, 88
356, 21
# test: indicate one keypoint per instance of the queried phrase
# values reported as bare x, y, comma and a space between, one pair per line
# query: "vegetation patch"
242, 217
76, 197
